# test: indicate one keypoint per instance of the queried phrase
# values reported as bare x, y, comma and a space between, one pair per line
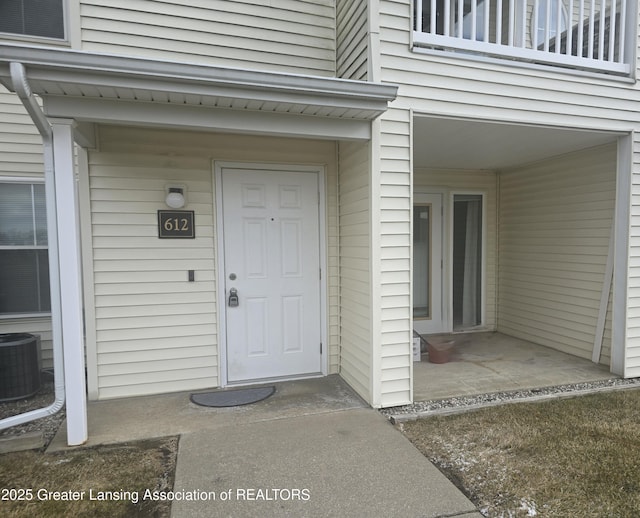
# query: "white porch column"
70, 283
623, 228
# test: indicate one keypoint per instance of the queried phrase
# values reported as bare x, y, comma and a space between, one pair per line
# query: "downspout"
22, 89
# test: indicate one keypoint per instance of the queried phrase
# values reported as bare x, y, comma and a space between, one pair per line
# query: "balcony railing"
582, 34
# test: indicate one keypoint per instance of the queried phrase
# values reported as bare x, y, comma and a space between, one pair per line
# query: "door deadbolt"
233, 298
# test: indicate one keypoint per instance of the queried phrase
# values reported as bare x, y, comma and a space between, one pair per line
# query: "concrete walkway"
313, 449
343, 464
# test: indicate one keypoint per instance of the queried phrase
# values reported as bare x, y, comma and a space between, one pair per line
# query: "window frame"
29, 180
68, 6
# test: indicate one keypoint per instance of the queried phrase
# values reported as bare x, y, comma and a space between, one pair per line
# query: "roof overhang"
94, 87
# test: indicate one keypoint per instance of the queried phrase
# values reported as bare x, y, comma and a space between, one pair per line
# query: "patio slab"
492, 362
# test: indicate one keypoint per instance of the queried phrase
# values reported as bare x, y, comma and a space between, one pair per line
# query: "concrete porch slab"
144, 417
493, 362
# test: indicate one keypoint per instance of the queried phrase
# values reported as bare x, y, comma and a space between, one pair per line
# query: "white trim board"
204, 118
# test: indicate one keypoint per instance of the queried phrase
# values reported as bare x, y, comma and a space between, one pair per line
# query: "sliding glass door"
467, 261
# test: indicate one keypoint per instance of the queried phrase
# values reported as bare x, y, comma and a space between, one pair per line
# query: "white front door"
272, 273
428, 278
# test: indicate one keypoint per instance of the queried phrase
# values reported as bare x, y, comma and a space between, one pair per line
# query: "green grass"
132, 467
576, 457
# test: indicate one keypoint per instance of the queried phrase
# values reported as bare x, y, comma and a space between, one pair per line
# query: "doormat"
235, 397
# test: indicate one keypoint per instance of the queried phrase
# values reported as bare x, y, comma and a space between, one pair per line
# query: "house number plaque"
176, 224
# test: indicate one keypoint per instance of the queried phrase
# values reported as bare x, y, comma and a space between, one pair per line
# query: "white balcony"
594, 35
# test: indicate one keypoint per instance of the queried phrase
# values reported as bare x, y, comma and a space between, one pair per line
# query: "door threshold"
277, 379
475, 329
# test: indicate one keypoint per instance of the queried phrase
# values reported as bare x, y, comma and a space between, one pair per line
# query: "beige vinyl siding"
453, 84
395, 244
155, 331
632, 335
484, 182
555, 223
20, 142
144, 340
285, 36
355, 271
351, 39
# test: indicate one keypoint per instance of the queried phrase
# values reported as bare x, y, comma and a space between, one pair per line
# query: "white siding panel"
555, 221
287, 36
151, 346
453, 84
20, 142
632, 332
155, 331
355, 275
395, 258
352, 39
126, 266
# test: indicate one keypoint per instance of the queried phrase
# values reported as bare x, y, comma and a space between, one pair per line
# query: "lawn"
577, 457
104, 481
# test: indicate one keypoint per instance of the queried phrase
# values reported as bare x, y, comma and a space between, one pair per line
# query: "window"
24, 262
44, 18
422, 260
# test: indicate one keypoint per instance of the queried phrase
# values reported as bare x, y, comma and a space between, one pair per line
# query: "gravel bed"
47, 425
461, 403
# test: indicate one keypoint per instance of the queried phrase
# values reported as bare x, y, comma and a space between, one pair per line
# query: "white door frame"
447, 253
438, 293
221, 298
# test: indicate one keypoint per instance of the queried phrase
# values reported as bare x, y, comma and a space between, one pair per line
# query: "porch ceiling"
441, 143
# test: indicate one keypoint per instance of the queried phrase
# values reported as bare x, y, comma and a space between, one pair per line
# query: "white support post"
70, 283
622, 225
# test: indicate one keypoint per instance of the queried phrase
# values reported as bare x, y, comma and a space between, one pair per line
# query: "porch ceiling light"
175, 197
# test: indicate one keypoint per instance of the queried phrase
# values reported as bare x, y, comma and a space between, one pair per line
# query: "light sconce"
175, 198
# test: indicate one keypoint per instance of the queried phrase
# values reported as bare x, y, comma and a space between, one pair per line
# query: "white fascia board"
81, 67
211, 119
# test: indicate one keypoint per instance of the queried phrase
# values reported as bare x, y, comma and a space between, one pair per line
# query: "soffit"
65, 73
442, 143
